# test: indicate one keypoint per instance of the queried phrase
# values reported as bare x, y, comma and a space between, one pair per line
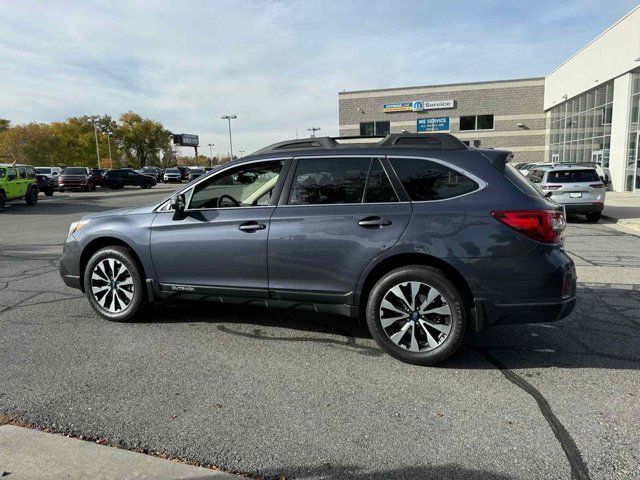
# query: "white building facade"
593, 104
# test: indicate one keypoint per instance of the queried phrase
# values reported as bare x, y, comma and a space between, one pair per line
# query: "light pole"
229, 118
241, 153
94, 119
313, 131
109, 133
211, 153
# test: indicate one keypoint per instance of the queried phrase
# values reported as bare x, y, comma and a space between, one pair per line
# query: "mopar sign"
437, 124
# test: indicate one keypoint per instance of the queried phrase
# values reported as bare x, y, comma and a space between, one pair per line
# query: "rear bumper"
489, 313
583, 207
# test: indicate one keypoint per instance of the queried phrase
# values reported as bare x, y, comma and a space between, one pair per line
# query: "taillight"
546, 226
550, 187
597, 185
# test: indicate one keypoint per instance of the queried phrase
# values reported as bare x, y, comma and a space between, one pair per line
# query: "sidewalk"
624, 209
27, 454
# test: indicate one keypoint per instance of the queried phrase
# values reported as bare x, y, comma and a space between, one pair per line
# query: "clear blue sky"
277, 65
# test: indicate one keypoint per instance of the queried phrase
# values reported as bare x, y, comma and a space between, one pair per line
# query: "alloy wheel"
112, 285
415, 316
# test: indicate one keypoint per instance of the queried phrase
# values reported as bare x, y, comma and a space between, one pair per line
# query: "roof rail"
431, 141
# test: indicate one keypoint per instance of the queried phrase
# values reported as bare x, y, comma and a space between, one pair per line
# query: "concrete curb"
36, 455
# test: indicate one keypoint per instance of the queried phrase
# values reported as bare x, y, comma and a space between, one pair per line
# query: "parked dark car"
76, 178
46, 184
98, 176
154, 172
116, 179
184, 171
420, 235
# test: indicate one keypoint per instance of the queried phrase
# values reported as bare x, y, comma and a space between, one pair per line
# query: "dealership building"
586, 110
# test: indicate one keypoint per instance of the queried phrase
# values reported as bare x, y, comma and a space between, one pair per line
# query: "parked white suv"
580, 189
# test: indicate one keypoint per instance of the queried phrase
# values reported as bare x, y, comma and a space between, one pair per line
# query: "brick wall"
511, 102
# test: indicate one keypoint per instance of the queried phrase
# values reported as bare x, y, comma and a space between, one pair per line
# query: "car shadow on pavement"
352, 472
602, 332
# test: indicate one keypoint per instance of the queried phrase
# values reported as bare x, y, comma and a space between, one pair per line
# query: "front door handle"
251, 226
374, 222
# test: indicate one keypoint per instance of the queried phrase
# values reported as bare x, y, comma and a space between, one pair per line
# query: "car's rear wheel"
32, 196
593, 216
48, 192
417, 315
114, 285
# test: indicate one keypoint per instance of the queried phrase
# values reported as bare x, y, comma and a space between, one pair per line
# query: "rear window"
74, 171
573, 176
425, 180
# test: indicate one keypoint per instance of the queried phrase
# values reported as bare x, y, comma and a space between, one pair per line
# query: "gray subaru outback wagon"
419, 235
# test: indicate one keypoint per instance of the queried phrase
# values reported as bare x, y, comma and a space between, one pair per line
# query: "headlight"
76, 226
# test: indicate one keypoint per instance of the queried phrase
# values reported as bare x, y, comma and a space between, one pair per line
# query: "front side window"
12, 174
22, 172
321, 181
244, 186
425, 180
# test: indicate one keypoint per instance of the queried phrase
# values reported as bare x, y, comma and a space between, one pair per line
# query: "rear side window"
425, 180
321, 181
573, 176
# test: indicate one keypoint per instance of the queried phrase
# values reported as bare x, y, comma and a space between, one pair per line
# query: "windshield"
572, 176
43, 170
196, 170
148, 169
173, 170
74, 171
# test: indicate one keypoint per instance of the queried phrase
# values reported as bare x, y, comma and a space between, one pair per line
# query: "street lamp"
109, 133
211, 153
94, 120
313, 131
229, 118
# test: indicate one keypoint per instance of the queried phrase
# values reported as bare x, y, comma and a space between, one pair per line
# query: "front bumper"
70, 263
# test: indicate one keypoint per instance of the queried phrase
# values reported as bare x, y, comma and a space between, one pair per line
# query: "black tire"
61, 190
93, 187
449, 295
3, 201
593, 216
48, 192
138, 301
32, 196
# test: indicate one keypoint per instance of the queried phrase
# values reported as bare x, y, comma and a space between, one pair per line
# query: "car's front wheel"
114, 285
417, 315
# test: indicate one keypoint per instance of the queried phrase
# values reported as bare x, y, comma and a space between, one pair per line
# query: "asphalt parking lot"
271, 393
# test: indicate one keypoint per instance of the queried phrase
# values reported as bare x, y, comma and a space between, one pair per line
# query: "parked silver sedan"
580, 189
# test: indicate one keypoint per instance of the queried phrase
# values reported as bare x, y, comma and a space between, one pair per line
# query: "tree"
141, 139
4, 124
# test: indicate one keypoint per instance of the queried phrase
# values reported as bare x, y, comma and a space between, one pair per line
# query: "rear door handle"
374, 222
251, 226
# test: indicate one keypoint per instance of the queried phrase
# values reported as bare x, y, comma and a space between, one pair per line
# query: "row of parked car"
26, 182
579, 187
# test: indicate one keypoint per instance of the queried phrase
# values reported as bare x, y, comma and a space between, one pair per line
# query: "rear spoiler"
497, 158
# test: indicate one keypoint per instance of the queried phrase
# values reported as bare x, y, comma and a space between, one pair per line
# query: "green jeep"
18, 181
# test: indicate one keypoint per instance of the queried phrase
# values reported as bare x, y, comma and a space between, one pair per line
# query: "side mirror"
178, 205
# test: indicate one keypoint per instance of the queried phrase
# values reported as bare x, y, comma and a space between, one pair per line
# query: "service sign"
417, 106
437, 124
